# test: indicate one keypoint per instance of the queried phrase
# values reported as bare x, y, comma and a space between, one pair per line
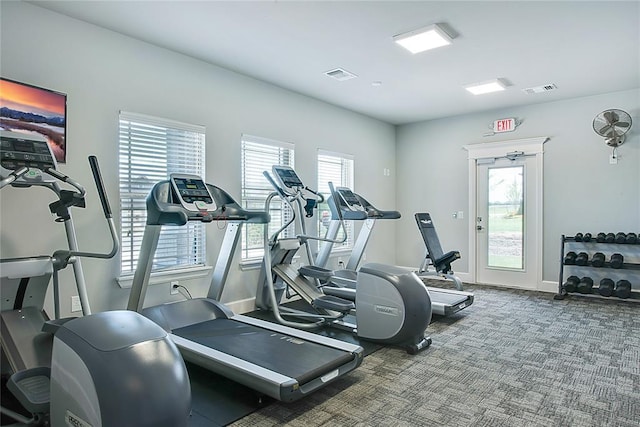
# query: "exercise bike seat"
333, 303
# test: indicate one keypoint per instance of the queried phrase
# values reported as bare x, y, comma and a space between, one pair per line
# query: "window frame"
253, 254
324, 189
138, 139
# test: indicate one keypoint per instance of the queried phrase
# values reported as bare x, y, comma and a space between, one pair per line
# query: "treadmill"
278, 361
444, 302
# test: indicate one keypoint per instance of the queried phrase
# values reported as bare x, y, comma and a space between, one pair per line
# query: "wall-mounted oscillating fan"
612, 125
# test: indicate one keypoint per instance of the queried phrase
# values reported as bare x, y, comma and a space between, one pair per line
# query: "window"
258, 155
150, 150
337, 168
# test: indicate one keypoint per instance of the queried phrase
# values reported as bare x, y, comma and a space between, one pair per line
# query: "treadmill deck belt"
296, 358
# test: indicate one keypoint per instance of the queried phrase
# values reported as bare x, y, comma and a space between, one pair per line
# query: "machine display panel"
287, 177
349, 197
192, 192
19, 150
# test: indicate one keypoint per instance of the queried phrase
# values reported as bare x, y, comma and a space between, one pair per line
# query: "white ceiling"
584, 47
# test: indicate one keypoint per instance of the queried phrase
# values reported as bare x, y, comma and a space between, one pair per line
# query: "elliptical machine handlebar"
106, 208
97, 177
62, 258
64, 178
297, 196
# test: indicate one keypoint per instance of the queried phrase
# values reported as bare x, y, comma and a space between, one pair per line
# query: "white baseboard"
548, 286
544, 286
465, 277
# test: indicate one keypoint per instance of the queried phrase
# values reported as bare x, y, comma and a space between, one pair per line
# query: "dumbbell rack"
630, 270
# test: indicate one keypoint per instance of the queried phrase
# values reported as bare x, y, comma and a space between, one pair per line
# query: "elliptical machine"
392, 306
349, 205
108, 369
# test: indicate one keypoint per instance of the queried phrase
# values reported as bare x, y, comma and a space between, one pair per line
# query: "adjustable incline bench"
435, 257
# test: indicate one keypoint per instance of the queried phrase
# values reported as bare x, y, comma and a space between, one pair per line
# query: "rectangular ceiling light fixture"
486, 87
423, 39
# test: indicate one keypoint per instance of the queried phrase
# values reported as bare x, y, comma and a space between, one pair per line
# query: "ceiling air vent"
540, 89
340, 74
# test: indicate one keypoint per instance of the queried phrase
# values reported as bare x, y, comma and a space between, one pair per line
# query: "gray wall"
582, 191
102, 73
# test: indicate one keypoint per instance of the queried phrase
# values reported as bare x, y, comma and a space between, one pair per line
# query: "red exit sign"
504, 125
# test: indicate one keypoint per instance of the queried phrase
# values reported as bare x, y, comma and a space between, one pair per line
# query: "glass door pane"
505, 225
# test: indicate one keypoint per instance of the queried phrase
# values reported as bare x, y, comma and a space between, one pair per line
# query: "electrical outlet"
173, 289
75, 304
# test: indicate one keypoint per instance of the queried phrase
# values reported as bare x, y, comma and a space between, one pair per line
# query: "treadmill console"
19, 150
349, 201
192, 192
287, 178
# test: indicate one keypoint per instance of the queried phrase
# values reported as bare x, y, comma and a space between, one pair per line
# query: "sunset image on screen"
30, 109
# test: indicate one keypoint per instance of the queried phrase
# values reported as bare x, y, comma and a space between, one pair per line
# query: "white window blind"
259, 155
337, 168
150, 150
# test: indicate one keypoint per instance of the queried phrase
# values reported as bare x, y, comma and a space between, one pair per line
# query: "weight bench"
435, 257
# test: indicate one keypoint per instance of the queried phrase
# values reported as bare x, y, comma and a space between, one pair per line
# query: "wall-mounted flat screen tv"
31, 109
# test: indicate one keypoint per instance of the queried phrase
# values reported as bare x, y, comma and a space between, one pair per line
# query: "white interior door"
506, 221
503, 252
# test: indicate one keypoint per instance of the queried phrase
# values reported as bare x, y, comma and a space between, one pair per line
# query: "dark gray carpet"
514, 358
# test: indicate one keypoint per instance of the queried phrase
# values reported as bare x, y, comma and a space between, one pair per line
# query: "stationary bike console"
287, 178
20, 150
192, 192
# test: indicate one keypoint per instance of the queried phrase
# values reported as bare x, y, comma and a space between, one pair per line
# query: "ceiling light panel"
486, 87
423, 39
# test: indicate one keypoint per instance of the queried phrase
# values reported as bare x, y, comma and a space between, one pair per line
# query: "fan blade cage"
612, 124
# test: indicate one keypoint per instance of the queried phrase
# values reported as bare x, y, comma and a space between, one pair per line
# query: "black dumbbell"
616, 260
586, 285
610, 238
631, 239
578, 237
621, 237
570, 258
598, 259
606, 287
571, 285
601, 237
582, 258
587, 237
623, 289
